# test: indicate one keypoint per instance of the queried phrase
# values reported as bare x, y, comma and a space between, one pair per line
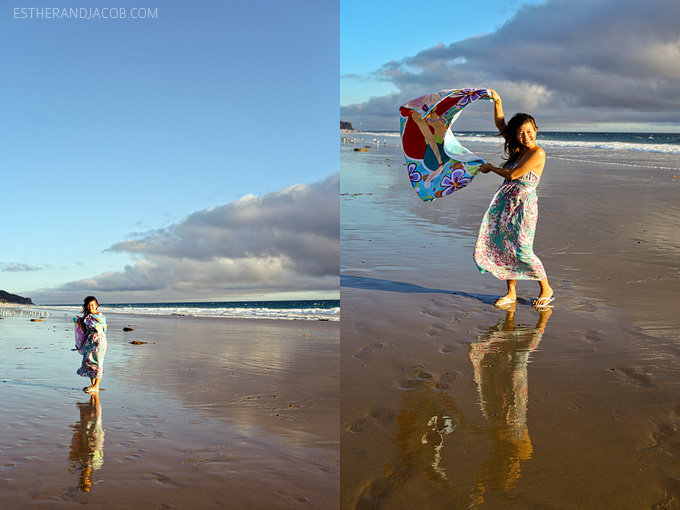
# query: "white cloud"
281, 242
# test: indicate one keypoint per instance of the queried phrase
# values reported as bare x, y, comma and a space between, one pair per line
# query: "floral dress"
94, 346
506, 237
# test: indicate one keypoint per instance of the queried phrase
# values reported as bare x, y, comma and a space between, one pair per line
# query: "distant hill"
346, 125
6, 297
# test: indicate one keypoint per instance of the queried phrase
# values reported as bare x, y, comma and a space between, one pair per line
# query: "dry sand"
209, 413
448, 402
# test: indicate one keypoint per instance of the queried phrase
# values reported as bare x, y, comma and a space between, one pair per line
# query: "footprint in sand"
671, 499
439, 309
436, 329
135, 456
592, 337
667, 434
636, 378
379, 416
377, 490
448, 349
446, 379
369, 349
418, 378
667, 437
383, 416
431, 313
442, 326
584, 306
360, 424
160, 478
576, 408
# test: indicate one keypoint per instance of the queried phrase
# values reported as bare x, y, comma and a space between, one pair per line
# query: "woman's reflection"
442, 441
499, 361
87, 445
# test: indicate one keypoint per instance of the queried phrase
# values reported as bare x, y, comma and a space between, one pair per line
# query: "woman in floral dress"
94, 345
506, 237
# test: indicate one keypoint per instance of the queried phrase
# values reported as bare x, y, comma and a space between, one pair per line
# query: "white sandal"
543, 302
500, 302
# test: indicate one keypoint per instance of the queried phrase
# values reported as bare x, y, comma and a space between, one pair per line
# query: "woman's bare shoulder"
538, 151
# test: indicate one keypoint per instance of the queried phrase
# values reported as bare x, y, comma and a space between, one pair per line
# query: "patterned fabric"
94, 347
439, 110
80, 336
506, 237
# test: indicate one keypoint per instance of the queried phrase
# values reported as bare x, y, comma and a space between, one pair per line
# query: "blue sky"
593, 65
116, 130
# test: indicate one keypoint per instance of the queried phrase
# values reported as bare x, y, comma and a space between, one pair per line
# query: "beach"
449, 402
202, 412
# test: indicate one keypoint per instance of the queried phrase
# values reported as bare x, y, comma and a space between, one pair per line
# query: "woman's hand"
485, 168
495, 96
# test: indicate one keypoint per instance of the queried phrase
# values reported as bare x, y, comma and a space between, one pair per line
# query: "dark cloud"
287, 241
566, 61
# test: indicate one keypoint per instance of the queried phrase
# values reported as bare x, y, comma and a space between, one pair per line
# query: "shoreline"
57, 312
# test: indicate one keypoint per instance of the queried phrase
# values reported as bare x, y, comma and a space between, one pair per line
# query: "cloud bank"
282, 242
568, 62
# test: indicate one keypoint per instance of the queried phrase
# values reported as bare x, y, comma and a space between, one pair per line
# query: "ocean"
644, 150
645, 142
319, 310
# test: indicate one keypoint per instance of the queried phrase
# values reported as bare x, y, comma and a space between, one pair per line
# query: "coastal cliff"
6, 297
346, 125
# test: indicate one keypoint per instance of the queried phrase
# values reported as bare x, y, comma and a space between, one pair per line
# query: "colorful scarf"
439, 111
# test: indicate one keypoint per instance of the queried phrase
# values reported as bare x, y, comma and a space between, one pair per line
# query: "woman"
506, 237
93, 349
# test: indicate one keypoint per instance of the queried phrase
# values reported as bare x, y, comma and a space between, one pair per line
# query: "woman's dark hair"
86, 302
512, 146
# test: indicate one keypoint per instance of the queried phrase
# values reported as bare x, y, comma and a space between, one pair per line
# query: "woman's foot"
505, 301
543, 302
510, 297
91, 389
545, 297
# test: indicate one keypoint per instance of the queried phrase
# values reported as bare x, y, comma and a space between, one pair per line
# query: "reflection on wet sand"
500, 361
462, 454
87, 445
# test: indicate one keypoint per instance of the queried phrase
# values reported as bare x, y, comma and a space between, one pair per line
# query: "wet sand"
449, 402
207, 413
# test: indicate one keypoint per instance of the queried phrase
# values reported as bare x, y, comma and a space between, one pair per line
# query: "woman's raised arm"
498, 115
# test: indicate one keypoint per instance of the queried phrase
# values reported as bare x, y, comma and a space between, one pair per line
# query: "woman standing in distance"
506, 237
93, 349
